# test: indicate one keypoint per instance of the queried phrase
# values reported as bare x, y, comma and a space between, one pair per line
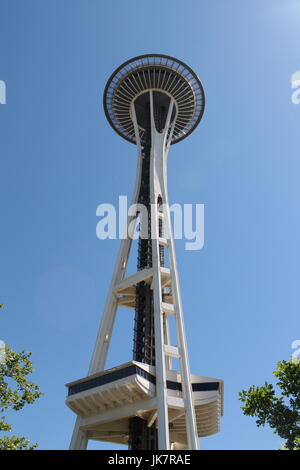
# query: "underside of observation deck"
164, 75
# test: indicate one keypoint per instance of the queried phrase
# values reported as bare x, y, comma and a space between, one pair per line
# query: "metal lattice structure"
152, 101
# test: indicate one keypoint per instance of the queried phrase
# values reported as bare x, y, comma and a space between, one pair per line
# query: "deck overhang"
106, 401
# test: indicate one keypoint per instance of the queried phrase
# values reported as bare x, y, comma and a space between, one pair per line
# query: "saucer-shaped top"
166, 75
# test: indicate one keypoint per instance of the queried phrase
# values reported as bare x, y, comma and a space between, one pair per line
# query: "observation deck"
106, 401
168, 78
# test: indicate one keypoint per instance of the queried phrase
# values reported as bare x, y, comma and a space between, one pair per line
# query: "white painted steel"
160, 143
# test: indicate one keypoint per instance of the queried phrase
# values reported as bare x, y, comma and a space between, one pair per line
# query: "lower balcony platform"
106, 401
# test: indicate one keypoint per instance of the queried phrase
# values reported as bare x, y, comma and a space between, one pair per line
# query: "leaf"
280, 412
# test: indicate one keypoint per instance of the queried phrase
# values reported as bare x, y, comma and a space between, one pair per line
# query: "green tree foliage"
281, 412
15, 392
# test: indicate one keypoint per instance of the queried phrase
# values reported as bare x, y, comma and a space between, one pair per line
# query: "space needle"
153, 401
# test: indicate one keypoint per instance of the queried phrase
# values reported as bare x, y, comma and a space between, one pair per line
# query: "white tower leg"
79, 441
158, 179
160, 143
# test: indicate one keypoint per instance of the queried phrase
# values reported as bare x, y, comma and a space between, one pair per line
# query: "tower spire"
152, 101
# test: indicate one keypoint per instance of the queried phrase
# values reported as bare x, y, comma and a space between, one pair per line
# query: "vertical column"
79, 439
191, 424
105, 331
161, 143
160, 363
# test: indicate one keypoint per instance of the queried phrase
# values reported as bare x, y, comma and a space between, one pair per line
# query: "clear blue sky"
59, 159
